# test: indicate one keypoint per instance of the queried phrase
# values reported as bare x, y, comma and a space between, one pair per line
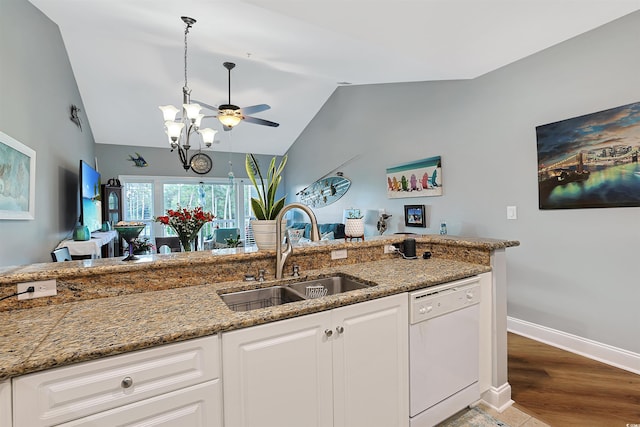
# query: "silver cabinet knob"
328, 332
126, 382
339, 329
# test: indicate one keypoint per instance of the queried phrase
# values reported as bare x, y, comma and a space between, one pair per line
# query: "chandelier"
182, 129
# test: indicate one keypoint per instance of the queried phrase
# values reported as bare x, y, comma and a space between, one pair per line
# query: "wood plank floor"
563, 389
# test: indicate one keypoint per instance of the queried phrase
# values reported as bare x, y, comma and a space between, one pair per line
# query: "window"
217, 198
138, 204
147, 197
249, 191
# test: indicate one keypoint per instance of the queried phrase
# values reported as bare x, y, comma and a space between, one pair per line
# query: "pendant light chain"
186, 32
230, 175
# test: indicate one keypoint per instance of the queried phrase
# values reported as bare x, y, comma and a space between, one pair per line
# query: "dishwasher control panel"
436, 301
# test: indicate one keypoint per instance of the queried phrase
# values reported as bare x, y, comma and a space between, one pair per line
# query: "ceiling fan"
230, 115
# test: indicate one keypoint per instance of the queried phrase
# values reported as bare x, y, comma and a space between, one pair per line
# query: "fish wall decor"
138, 161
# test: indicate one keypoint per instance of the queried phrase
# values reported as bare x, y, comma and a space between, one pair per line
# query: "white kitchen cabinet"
194, 406
370, 363
344, 367
73, 392
5, 404
279, 374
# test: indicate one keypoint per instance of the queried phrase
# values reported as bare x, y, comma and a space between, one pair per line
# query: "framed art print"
414, 216
421, 178
590, 161
17, 179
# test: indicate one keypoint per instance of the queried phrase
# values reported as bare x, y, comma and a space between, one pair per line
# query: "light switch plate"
512, 212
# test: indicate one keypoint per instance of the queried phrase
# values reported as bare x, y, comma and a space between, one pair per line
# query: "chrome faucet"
282, 255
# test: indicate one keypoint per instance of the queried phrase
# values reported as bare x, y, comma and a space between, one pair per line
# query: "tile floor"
513, 417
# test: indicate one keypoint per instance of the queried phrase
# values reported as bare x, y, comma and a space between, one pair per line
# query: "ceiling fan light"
192, 111
229, 118
208, 135
174, 129
169, 112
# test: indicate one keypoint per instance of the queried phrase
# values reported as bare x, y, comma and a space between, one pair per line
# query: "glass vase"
186, 242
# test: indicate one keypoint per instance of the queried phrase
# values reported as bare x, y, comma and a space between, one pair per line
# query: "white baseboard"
498, 398
623, 359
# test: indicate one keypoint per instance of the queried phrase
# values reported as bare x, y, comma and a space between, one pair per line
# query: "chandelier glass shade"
180, 130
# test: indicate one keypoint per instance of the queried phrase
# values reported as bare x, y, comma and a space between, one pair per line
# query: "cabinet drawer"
63, 394
196, 406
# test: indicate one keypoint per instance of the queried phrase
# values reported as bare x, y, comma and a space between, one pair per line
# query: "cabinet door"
279, 374
370, 363
196, 406
5, 404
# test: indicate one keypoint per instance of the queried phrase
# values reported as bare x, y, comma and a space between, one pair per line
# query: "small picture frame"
414, 216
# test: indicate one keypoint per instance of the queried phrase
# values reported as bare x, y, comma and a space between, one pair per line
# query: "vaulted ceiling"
128, 56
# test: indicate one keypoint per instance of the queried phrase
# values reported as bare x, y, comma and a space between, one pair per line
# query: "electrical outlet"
339, 254
43, 288
390, 249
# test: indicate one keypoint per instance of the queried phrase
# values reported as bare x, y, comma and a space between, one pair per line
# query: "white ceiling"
127, 55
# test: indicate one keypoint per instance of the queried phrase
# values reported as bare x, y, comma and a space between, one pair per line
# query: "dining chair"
61, 254
172, 242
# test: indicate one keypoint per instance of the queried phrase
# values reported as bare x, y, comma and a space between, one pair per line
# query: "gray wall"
576, 270
37, 88
115, 160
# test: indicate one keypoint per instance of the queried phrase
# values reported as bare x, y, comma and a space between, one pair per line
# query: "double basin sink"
291, 292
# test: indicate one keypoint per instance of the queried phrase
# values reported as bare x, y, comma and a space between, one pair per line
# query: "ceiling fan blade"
254, 109
260, 121
205, 105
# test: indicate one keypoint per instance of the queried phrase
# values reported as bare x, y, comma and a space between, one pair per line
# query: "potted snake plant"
265, 207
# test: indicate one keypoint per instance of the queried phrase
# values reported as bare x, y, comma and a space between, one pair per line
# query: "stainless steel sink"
327, 286
290, 292
260, 298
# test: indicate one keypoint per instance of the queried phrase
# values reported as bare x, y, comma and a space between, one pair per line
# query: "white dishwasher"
443, 350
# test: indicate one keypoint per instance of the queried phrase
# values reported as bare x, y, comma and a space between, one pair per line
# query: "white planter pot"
264, 233
354, 227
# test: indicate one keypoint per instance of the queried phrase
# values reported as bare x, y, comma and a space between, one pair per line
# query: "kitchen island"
109, 307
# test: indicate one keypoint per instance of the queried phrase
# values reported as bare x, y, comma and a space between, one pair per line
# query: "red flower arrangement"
186, 223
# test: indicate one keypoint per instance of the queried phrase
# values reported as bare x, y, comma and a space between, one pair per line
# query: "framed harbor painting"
421, 178
17, 179
590, 161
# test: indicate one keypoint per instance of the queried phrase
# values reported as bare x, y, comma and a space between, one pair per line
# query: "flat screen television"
90, 200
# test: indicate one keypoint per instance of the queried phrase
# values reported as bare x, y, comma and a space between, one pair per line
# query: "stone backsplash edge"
92, 279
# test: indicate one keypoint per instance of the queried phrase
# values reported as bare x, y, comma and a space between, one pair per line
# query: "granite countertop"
43, 271
45, 337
